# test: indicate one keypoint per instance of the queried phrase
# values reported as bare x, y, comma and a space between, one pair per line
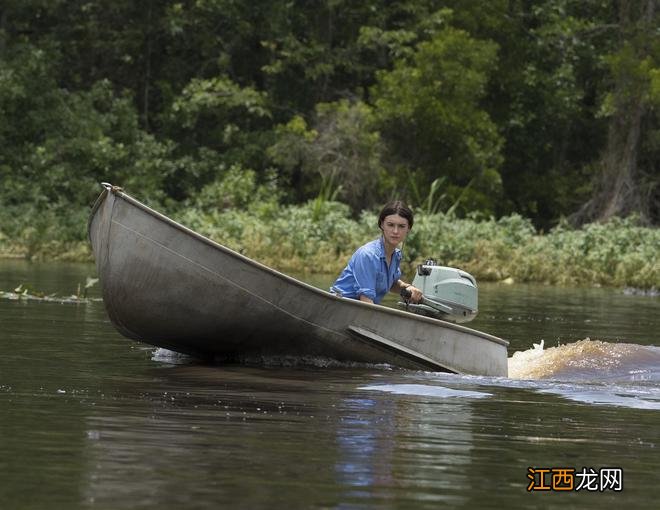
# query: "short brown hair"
396, 207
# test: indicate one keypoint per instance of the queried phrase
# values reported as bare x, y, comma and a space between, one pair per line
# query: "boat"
168, 286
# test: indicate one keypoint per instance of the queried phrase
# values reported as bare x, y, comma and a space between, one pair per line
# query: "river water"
89, 419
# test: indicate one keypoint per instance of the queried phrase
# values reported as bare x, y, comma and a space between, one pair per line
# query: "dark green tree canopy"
548, 109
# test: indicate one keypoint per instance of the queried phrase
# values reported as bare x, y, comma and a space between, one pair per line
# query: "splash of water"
171, 357
587, 360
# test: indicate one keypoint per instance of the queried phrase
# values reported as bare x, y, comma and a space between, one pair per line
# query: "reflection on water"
92, 420
410, 449
333, 443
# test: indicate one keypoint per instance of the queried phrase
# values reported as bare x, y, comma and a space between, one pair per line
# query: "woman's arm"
365, 267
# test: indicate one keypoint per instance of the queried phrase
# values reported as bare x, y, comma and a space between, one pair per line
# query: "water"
91, 420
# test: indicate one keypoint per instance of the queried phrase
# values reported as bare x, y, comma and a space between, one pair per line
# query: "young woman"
374, 269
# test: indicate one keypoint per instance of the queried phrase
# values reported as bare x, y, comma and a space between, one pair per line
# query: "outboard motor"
449, 293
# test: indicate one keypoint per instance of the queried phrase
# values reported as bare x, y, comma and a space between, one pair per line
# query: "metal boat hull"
168, 286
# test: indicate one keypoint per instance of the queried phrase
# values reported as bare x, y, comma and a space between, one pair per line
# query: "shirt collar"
381, 249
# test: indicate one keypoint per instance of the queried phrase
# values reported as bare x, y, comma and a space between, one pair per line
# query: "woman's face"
395, 229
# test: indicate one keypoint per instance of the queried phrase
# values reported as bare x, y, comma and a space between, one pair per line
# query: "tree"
428, 108
339, 158
628, 182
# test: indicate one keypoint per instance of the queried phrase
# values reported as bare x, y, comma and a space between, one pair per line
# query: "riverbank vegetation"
525, 134
319, 237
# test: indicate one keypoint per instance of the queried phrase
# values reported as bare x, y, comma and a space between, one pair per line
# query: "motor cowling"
448, 293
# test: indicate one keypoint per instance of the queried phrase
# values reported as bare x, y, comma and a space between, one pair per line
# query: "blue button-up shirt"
368, 273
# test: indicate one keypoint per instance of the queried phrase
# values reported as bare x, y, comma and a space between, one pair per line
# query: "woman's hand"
416, 294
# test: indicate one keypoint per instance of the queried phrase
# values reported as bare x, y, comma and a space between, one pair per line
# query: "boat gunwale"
350, 302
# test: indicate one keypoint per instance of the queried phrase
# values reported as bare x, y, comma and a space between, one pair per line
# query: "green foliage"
340, 157
397, 43
56, 155
220, 98
221, 112
311, 237
296, 238
541, 94
428, 108
237, 188
217, 209
328, 193
432, 202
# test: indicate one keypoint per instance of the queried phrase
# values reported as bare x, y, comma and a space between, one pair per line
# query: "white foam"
172, 357
425, 390
608, 395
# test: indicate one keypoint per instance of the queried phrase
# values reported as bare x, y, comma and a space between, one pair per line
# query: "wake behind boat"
168, 286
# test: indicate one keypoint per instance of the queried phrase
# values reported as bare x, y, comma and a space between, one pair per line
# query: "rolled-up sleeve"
365, 267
